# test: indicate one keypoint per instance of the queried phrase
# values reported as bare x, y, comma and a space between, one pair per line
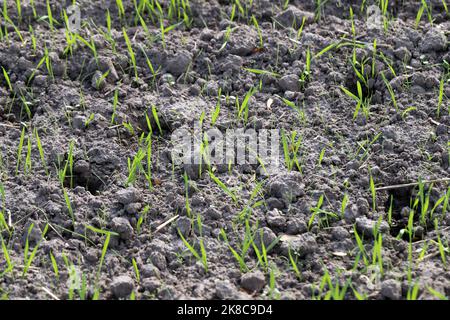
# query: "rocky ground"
87, 211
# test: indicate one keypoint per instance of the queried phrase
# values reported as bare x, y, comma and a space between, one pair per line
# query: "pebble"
300, 245
293, 17
178, 64
127, 196
184, 225
98, 80
149, 270
122, 286
253, 281
123, 227
289, 82
158, 259
391, 289
434, 40
366, 226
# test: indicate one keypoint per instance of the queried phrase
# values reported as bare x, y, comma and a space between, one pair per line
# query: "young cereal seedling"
130, 52
216, 111
199, 256
361, 102
20, 149
224, 188
258, 29
294, 266
156, 118
322, 214
441, 96
114, 109
243, 107
136, 270
142, 218
29, 257
291, 148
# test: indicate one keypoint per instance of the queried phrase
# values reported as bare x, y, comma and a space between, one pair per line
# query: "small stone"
286, 187
133, 208
232, 63
167, 78
213, 213
126, 196
366, 226
149, 270
296, 226
81, 167
79, 122
184, 225
275, 219
151, 285
434, 40
158, 259
267, 235
423, 80
293, 17
225, 290
207, 34
339, 234
363, 206
123, 227
391, 289
300, 245
289, 82
179, 63
40, 81
253, 281
403, 54
122, 286
106, 65
274, 203
441, 130
98, 80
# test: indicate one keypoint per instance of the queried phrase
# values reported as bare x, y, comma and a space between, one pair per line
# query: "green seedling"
130, 52
291, 147
294, 266
141, 219
156, 118
216, 112
243, 107
224, 188
258, 29
361, 102
199, 256
29, 257
441, 96
135, 166
263, 72
114, 108
391, 91
323, 215
54, 265
20, 149
136, 270
321, 155
6, 255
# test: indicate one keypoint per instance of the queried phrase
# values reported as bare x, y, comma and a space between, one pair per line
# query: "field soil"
76, 122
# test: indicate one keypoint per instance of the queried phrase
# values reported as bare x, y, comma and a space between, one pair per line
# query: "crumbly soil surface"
73, 124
